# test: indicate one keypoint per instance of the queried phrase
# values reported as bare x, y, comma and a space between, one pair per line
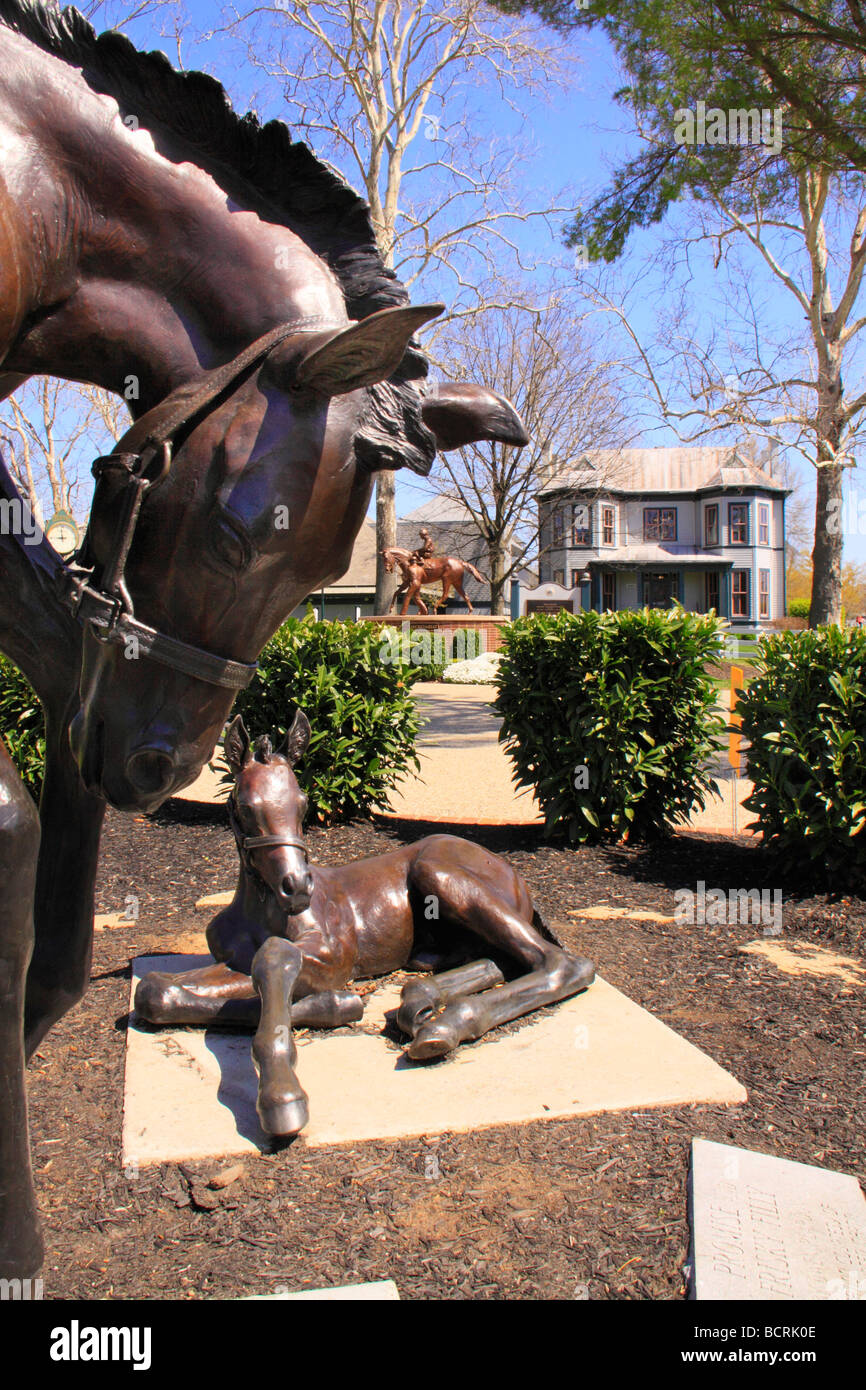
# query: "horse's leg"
446, 589
20, 1241
490, 910
282, 1103
462, 592
71, 826
218, 995
421, 999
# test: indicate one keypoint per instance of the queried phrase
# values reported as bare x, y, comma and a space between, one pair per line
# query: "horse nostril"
292, 886
150, 771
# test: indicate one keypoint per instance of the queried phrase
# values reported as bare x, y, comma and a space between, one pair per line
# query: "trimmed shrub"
805, 716
364, 719
610, 717
22, 726
798, 608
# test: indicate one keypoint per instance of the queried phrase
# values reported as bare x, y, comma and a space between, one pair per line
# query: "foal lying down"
296, 935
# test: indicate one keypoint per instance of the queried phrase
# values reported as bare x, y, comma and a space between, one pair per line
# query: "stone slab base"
190, 1094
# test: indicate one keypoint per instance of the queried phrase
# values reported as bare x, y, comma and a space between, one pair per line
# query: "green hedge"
360, 707
805, 716
798, 608
22, 726
619, 701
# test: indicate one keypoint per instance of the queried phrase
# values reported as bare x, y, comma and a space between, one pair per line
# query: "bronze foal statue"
227, 284
296, 934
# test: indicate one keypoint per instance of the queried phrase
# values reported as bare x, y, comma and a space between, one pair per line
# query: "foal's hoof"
419, 1002
434, 1039
283, 1118
584, 972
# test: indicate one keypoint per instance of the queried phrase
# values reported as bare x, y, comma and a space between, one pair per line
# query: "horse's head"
267, 809
388, 558
260, 506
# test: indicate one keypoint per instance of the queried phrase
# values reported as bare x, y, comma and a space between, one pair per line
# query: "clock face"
63, 535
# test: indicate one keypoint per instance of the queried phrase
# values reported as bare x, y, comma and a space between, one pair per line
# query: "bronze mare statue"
227, 284
296, 934
449, 568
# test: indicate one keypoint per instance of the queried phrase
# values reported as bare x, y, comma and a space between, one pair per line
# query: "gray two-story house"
642, 527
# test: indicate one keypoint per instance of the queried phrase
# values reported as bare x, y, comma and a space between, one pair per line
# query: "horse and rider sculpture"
421, 566
276, 372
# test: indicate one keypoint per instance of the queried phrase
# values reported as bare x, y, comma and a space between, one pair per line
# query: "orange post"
735, 738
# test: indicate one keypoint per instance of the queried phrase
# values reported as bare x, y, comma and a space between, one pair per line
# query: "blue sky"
574, 143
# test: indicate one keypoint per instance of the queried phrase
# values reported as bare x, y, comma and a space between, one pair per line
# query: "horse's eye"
229, 544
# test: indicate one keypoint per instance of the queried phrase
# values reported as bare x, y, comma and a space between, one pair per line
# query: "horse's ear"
236, 745
359, 355
298, 737
459, 413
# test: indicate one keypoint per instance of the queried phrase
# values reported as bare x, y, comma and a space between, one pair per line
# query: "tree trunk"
498, 562
386, 537
826, 605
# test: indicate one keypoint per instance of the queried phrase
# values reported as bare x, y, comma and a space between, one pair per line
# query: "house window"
608, 522
580, 527
763, 523
558, 527
659, 523
711, 591
740, 594
608, 590
711, 524
575, 578
559, 577
763, 593
738, 522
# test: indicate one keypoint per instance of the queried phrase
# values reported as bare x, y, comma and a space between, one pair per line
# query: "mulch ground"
587, 1207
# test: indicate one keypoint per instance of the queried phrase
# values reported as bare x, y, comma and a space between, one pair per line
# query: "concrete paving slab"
378, 1291
765, 1228
191, 1093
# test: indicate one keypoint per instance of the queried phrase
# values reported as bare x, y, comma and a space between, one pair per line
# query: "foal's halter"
142, 459
247, 843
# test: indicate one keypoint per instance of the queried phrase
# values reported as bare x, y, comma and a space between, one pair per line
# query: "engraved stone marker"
767, 1228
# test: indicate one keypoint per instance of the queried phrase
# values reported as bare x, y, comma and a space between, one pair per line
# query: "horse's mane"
296, 188
288, 184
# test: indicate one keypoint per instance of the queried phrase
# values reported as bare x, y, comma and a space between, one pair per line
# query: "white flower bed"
481, 670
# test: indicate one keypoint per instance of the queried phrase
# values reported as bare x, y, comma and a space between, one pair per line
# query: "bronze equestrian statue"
421, 567
297, 934
227, 284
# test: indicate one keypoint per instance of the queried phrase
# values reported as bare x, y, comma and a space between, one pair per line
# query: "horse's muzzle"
151, 771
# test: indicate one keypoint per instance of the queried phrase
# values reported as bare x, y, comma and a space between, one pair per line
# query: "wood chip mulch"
588, 1207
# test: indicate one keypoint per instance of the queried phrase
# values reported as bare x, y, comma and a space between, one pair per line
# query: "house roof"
439, 509
642, 471
361, 574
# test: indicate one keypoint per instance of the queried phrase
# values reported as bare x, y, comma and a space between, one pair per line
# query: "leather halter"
142, 459
247, 843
